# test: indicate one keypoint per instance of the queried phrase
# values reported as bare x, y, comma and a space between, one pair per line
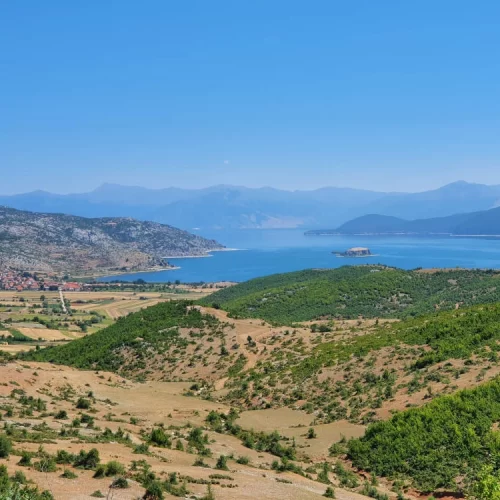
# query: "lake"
263, 252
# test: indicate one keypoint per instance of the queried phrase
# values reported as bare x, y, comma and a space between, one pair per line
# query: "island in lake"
355, 252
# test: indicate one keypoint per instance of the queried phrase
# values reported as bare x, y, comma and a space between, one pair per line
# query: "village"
19, 281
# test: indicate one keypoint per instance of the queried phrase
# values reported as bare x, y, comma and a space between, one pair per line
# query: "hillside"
331, 374
176, 341
352, 291
152, 340
55, 242
436, 445
476, 223
241, 207
342, 373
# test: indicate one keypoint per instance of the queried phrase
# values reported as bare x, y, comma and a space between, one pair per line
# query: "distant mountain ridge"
33, 241
484, 223
231, 207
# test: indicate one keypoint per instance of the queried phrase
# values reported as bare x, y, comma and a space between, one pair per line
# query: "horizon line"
104, 184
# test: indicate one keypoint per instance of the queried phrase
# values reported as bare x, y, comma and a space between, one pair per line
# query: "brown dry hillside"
48, 427
316, 384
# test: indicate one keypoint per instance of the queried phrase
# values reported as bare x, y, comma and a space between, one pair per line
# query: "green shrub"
5, 446
222, 463
154, 491
69, 474
159, 437
88, 460
83, 404
120, 483
329, 493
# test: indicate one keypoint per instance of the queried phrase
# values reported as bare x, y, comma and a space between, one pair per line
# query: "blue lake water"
263, 252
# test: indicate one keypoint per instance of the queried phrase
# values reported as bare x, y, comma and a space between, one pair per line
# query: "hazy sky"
387, 95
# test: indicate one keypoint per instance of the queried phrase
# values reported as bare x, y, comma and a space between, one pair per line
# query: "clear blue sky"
388, 95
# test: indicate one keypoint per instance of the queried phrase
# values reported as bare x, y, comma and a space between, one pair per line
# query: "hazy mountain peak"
229, 206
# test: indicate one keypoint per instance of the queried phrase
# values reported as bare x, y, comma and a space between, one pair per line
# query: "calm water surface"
263, 252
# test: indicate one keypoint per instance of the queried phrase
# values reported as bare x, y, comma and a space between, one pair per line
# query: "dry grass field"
117, 404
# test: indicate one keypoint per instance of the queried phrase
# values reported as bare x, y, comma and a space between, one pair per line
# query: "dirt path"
63, 304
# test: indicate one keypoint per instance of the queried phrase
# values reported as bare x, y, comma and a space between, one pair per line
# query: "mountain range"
230, 207
54, 242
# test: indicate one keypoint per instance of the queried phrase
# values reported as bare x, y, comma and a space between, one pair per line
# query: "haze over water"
264, 252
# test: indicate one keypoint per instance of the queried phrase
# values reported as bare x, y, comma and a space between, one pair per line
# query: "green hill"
151, 343
351, 291
436, 444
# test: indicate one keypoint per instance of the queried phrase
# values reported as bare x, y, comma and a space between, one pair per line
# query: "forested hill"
351, 291
137, 342
55, 242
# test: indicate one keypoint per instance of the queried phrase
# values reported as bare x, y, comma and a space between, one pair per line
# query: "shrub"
61, 415
199, 463
25, 459
46, 464
141, 449
88, 460
114, 468
120, 483
222, 463
83, 404
311, 434
19, 477
69, 474
64, 457
100, 472
5, 446
154, 491
329, 493
160, 438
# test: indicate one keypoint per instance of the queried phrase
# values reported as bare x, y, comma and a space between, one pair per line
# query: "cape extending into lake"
264, 252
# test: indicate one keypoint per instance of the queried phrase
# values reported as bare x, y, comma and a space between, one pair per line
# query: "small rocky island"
355, 252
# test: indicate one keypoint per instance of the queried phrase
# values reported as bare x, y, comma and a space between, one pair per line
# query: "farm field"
36, 318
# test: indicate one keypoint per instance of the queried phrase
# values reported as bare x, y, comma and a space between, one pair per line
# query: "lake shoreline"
206, 254
282, 251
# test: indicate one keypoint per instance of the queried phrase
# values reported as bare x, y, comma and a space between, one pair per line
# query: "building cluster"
19, 281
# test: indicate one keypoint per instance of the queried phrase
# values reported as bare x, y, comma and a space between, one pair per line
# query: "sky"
386, 95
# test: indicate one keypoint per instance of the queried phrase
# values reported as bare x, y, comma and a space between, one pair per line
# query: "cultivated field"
32, 318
